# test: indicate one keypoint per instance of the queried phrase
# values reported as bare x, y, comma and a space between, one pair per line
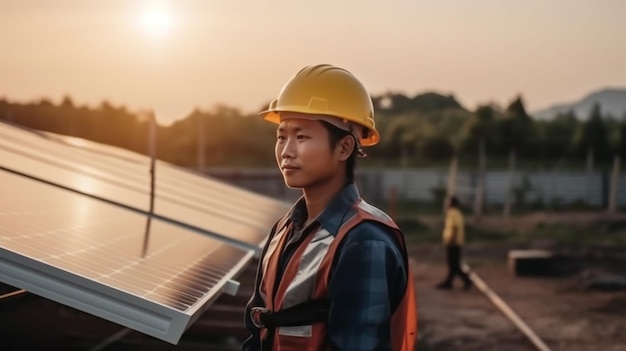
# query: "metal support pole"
201, 144
452, 174
13, 294
508, 197
614, 185
480, 186
153, 147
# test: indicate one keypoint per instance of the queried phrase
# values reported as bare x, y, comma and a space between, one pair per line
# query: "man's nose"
288, 150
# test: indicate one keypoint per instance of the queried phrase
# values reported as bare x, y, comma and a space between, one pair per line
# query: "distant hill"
612, 102
426, 102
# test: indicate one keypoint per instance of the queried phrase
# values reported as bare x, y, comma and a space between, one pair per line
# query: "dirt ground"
564, 314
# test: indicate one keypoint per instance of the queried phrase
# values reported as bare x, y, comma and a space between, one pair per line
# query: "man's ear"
345, 147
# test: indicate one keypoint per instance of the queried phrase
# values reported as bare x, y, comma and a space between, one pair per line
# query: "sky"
174, 56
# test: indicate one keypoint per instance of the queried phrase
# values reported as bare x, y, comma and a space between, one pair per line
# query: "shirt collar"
335, 213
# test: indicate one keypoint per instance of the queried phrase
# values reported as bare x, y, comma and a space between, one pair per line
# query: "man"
453, 239
334, 273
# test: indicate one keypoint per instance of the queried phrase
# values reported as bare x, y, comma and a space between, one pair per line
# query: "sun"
157, 21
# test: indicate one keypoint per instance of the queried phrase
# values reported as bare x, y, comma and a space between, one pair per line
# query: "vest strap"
305, 313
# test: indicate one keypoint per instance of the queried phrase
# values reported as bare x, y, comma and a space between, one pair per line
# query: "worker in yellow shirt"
454, 239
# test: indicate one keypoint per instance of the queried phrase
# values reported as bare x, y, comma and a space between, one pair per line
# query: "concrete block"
531, 262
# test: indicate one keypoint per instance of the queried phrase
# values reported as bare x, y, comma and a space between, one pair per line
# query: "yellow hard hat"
329, 91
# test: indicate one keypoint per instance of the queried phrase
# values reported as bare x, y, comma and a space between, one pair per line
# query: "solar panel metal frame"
104, 301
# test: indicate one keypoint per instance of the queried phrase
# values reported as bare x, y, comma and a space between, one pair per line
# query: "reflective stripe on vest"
306, 277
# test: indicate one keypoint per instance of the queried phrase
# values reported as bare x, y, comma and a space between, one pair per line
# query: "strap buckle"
255, 316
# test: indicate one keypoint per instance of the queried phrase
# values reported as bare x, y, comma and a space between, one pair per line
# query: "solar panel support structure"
152, 146
16, 293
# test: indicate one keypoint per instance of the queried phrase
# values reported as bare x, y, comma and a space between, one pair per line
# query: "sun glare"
157, 21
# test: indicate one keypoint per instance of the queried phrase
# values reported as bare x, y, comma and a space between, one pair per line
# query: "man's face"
303, 153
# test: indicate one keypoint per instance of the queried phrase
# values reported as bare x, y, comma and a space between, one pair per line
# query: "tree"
557, 139
621, 143
482, 127
437, 148
517, 130
67, 102
428, 102
594, 135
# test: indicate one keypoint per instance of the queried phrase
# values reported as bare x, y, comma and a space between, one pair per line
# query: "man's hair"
335, 135
454, 201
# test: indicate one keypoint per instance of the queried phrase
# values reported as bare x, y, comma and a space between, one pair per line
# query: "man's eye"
280, 138
301, 137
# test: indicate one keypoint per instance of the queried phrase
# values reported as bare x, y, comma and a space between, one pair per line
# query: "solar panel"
124, 176
73, 229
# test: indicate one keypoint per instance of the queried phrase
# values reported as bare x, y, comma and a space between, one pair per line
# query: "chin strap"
359, 149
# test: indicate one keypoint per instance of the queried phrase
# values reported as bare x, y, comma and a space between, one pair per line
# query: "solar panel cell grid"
180, 195
103, 243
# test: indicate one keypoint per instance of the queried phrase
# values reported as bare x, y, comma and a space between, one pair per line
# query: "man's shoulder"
455, 212
372, 231
373, 211
378, 240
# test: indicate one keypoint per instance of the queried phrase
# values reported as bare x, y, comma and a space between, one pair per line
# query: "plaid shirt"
366, 283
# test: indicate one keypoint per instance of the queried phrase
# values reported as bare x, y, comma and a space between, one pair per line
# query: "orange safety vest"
306, 278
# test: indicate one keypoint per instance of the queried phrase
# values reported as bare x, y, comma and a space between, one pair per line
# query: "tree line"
428, 127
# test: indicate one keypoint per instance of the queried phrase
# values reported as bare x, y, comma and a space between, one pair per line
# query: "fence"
542, 188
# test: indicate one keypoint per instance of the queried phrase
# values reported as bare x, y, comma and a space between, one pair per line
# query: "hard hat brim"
273, 116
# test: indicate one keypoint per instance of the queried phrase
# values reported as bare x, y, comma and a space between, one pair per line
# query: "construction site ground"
560, 310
